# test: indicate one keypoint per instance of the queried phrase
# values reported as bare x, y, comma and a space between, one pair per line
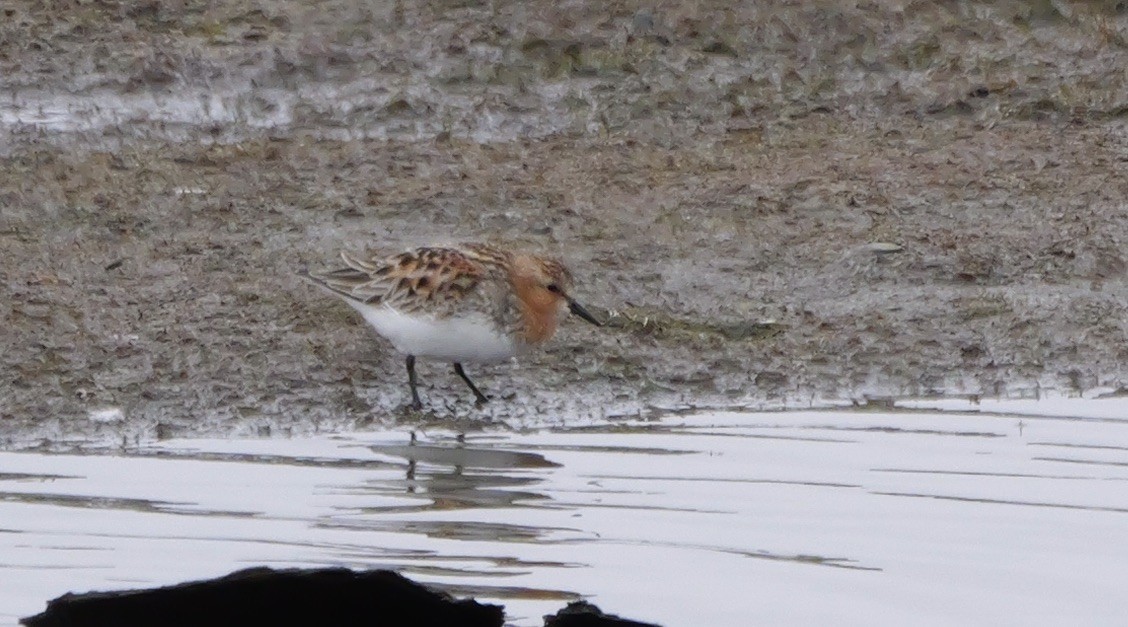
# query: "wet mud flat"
1015, 509
772, 204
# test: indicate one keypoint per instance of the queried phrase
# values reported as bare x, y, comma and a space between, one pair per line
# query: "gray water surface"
1009, 514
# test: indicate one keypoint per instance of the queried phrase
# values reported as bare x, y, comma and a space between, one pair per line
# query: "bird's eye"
554, 288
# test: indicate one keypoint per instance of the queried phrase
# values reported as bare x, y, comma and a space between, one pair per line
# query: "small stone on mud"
107, 414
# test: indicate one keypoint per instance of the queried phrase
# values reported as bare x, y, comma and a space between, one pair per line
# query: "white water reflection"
232, 111
909, 517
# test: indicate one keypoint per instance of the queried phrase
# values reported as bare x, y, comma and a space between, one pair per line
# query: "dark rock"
584, 614
331, 596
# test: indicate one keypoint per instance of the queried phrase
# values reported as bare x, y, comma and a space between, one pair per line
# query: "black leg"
415, 404
481, 398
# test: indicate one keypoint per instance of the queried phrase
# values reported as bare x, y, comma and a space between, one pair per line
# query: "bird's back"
434, 281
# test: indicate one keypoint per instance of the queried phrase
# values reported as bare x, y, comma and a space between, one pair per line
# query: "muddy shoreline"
775, 205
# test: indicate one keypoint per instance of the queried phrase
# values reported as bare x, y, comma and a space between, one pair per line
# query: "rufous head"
543, 286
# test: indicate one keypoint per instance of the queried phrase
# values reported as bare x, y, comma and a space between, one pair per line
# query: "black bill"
579, 310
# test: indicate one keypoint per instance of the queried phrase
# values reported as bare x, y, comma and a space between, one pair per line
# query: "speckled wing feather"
433, 281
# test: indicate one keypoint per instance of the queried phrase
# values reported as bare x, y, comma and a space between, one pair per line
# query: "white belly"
471, 339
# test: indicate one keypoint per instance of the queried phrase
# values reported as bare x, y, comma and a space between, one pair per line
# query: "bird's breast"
472, 337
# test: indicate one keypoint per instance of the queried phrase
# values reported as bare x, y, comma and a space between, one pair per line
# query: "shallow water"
928, 513
239, 110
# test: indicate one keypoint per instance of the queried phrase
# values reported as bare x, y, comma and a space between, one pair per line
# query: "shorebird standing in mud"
463, 303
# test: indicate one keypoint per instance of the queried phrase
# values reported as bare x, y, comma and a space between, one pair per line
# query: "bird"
462, 303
